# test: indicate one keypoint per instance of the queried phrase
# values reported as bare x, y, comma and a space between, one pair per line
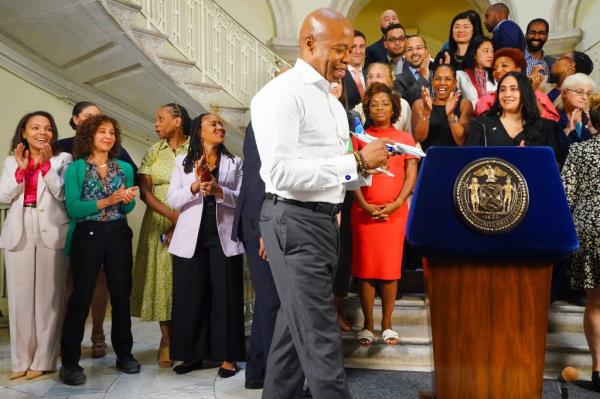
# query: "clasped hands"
205, 188
381, 212
22, 156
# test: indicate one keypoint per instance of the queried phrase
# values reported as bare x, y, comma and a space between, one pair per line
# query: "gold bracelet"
360, 162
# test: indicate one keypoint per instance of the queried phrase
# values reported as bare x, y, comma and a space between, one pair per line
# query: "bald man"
302, 137
377, 52
505, 33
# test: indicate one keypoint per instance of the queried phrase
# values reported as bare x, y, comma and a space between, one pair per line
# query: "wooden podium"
489, 293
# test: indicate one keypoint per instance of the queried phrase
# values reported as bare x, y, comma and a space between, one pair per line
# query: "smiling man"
536, 36
377, 52
354, 80
302, 136
409, 83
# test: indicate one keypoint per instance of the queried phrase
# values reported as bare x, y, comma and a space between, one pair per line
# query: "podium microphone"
482, 124
569, 374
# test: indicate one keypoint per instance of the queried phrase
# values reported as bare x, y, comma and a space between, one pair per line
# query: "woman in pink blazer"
33, 237
207, 317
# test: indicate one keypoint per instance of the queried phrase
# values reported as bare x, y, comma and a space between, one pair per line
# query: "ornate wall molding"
285, 43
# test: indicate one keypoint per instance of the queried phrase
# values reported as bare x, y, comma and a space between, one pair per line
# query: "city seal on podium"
491, 195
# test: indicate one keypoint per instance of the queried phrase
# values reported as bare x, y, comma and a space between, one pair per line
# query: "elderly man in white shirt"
302, 136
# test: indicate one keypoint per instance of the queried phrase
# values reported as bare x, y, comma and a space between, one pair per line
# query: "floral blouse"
96, 188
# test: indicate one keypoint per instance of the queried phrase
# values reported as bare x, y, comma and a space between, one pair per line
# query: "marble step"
414, 352
412, 310
565, 317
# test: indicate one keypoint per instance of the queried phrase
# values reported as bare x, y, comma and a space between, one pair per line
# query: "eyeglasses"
393, 39
418, 48
376, 76
581, 92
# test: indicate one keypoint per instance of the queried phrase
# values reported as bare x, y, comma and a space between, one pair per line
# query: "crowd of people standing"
68, 246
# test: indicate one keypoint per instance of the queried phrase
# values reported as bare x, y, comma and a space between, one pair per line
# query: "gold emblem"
491, 195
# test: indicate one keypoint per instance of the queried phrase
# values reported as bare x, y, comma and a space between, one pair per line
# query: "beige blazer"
53, 219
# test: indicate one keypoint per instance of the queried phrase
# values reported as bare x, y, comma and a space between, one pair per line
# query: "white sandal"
365, 337
390, 337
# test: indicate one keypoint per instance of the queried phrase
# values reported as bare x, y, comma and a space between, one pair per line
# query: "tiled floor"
103, 381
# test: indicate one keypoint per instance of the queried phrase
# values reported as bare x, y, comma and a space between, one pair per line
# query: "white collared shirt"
351, 69
302, 137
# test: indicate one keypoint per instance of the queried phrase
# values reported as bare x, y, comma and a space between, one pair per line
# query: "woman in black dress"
514, 119
443, 120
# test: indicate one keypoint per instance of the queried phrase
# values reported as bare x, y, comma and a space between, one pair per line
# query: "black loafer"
254, 384
72, 375
128, 365
186, 367
226, 373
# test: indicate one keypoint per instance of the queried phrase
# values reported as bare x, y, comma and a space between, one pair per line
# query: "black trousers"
266, 305
207, 318
341, 282
93, 245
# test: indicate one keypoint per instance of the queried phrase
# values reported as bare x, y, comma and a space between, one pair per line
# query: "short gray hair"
578, 79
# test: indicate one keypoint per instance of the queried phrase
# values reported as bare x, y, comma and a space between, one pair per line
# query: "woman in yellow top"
152, 274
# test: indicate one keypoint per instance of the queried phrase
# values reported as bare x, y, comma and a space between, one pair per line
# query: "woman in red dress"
378, 217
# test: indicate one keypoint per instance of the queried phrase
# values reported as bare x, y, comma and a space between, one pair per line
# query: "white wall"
19, 97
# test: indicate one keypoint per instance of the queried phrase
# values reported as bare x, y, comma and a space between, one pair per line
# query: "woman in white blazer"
33, 237
207, 317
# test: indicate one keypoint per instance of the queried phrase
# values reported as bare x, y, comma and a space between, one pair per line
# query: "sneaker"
72, 375
128, 365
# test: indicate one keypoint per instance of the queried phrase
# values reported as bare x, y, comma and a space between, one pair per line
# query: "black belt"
321, 207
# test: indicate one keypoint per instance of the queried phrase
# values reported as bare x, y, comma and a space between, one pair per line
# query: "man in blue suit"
245, 229
505, 33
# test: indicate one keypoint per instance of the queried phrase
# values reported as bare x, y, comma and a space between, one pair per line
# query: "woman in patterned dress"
152, 274
581, 177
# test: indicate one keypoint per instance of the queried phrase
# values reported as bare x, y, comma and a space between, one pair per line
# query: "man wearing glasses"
377, 52
418, 72
395, 43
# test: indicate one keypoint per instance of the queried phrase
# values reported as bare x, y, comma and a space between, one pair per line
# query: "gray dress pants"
302, 246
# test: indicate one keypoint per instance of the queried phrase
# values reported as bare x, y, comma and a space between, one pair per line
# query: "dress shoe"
72, 375
596, 379
226, 373
254, 384
128, 365
186, 367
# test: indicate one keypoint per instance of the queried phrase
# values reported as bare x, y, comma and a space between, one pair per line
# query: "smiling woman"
33, 238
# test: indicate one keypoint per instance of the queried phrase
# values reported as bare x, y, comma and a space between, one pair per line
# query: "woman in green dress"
152, 274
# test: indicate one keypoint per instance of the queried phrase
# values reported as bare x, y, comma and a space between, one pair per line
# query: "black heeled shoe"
596, 379
186, 367
226, 373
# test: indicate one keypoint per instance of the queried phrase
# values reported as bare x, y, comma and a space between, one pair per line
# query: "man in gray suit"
302, 136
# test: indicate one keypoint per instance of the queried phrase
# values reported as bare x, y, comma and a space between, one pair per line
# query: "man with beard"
536, 36
395, 43
505, 33
409, 83
377, 52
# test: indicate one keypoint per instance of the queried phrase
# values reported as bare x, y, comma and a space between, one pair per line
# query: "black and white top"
581, 178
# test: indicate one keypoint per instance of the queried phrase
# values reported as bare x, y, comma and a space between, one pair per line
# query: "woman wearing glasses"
576, 91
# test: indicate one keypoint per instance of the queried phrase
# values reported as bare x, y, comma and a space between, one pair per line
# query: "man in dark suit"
354, 79
418, 73
245, 229
377, 52
505, 33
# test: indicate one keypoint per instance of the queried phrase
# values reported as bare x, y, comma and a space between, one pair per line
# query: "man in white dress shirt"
302, 136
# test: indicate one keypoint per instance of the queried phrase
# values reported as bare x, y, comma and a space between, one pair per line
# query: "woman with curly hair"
99, 194
380, 211
33, 237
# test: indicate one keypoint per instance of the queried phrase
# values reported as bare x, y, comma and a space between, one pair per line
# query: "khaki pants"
35, 277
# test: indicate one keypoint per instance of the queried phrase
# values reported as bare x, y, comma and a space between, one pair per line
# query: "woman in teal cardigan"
99, 193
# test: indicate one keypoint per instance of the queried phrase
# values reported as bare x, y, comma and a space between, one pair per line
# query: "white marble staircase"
565, 346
